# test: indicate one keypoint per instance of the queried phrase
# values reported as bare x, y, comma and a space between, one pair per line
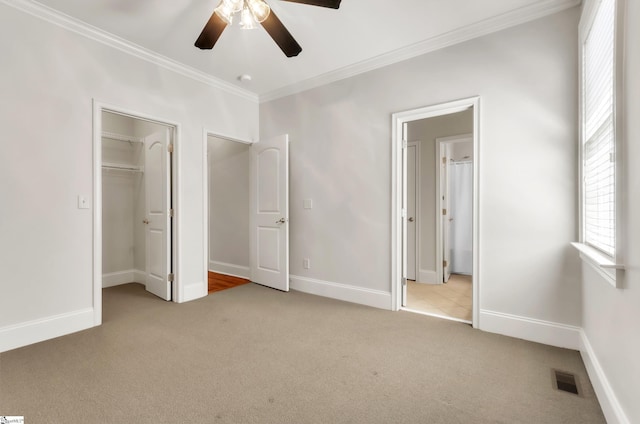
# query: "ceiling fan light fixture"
247, 21
259, 9
225, 11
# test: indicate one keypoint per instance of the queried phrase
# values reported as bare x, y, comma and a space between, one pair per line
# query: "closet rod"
121, 137
122, 168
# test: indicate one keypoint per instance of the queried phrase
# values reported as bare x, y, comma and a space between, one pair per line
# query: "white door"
157, 220
270, 213
412, 196
403, 216
446, 213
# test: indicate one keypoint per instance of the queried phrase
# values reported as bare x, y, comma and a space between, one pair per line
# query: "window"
601, 138
599, 135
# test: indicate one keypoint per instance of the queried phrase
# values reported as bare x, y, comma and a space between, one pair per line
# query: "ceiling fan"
251, 13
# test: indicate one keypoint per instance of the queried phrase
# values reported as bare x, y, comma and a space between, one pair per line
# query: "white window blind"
599, 131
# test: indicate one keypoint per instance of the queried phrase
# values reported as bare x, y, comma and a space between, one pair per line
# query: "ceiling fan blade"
281, 35
333, 4
211, 32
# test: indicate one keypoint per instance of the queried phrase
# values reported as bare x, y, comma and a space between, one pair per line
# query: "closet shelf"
122, 167
121, 137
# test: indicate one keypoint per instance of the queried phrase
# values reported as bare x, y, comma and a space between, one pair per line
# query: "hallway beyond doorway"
452, 299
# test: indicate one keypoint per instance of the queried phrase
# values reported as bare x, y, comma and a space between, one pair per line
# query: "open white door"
158, 220
404, 214
446, 213
269, 260
412, 216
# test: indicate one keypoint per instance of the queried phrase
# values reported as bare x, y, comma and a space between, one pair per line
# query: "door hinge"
171, 277
404, 281
404, 144
170, 147
444, 264
444, 161
444, 211
170, 213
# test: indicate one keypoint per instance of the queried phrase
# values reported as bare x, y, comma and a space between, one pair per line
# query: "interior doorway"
247, 210
134, 203
228, 169
435, 231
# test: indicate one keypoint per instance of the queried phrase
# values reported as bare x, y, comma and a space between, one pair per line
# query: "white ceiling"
360, 32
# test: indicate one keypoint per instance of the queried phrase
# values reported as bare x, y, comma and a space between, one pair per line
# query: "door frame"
397, 177
98, 108
440, 143
206, 133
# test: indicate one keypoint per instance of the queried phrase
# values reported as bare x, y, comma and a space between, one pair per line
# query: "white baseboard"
613, 412
363, 296
193, 291
26, 333
427, 276
535, 330
230, 269
123, 277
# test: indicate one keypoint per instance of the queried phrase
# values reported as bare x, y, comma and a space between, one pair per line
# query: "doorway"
428, 208
134, 206
247, 210
228, 166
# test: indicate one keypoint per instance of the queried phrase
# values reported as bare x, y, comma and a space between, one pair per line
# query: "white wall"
50, 77
426, 131
610, 316
228, 206
341, 158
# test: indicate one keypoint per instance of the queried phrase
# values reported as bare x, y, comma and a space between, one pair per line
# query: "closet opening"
228, 201
134, 206
435, 227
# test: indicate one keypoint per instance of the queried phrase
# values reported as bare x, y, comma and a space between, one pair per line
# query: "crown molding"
80, 27
469, 32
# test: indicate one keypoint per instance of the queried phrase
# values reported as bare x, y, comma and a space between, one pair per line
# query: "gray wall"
228, 206
341, 158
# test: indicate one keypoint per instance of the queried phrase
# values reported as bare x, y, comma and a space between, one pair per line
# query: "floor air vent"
565, 382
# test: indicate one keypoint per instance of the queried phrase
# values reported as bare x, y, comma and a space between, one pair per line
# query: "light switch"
306, 263
307, 203
82, 202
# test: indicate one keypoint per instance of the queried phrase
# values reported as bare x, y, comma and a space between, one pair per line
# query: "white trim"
194, 291
531, 329
26, 333
230, 269
397, 121
611, 408
428, 276
363, 296
488, 26
123, 277
82, 28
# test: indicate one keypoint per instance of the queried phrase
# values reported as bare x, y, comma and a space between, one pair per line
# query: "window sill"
607, 268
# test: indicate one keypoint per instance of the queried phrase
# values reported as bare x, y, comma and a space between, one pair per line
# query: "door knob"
145, 221
411, 219
281, 221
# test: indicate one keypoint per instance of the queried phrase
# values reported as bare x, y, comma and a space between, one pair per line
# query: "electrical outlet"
82, 202
306, 263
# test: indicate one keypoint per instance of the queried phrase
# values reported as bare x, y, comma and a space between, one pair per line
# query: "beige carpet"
256, 355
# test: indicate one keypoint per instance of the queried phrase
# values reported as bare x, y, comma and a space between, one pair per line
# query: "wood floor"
219, 282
